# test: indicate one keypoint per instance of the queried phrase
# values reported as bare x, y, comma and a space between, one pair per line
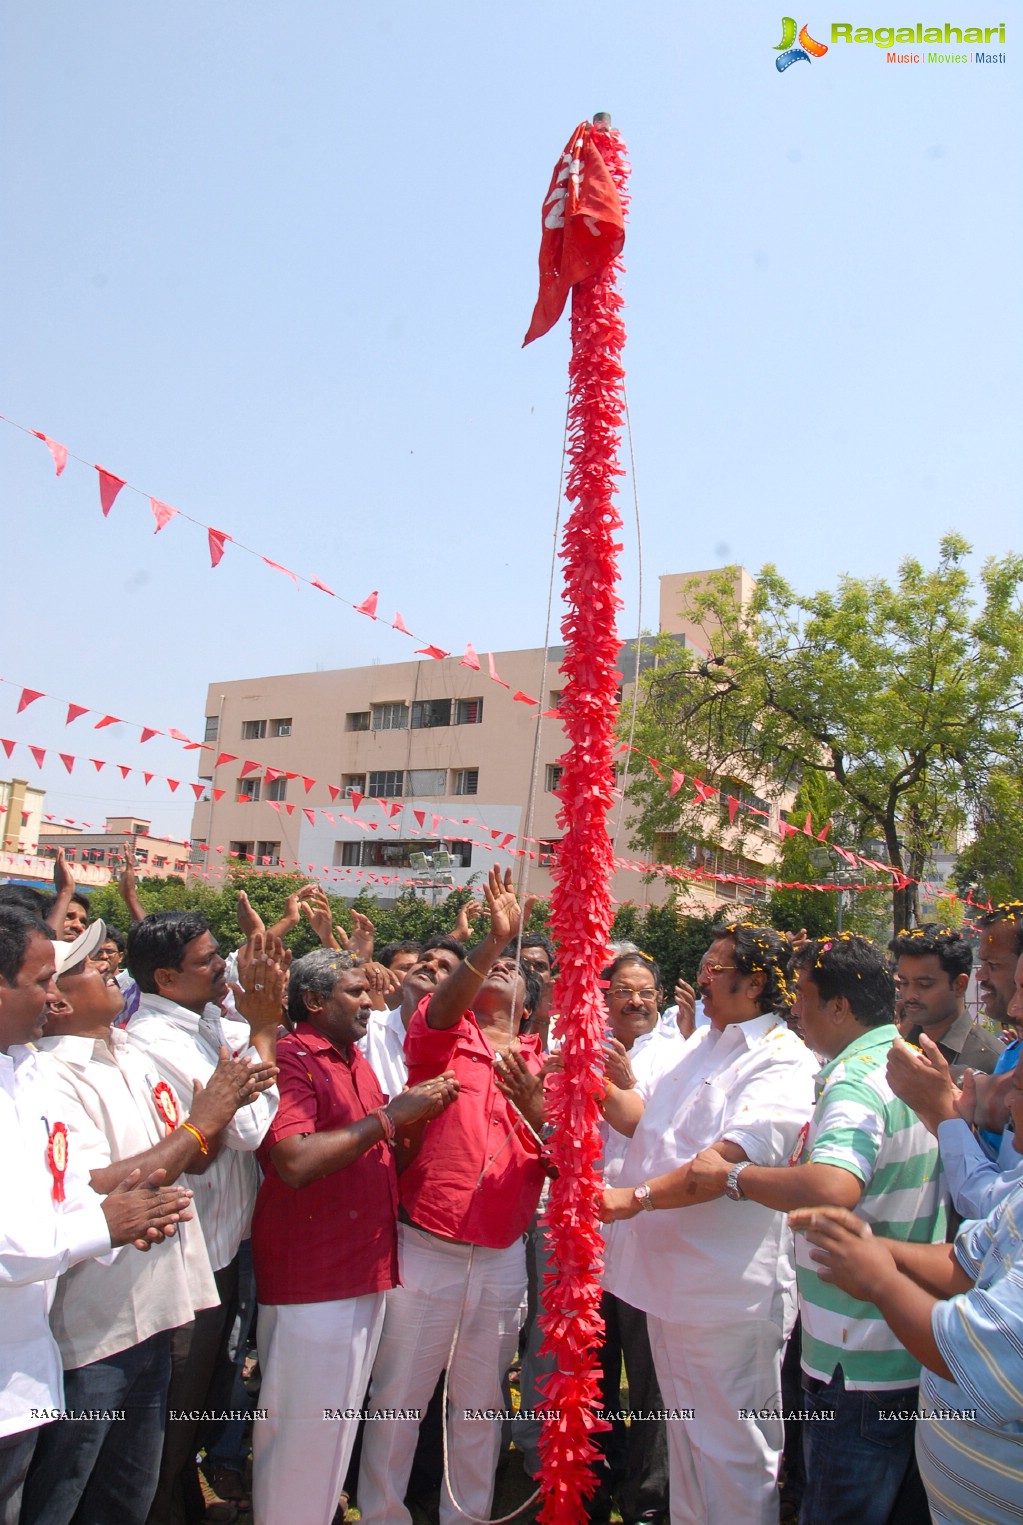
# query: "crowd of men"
813, 1210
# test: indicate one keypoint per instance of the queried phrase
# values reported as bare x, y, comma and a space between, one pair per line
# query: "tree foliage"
905, 695
992, 865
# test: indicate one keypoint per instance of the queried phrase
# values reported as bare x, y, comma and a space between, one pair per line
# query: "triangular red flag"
333, 791
470, 659
218, 794
148, 733
309, 782
275, 805
393, 809
198, 790
310, 816
162, 513
59, 452
822, 836
356, 799
106, 720
122, 770
705, 791
216, 539
420, 816
677, 780
97, 764
493, 671
785, 830
148, 778
583, 227
249, 767
368, 605
172, 784
289, 808
432, 651
807, 826
8, 746
178, 735
39, 754
314, 582
278, 568
272, 773
522, 698
74, 710
225, 757
28, 696
656, 766
399, 624
109, 487
67, 758
733, 806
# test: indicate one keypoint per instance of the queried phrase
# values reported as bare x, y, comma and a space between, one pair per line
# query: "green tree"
905, 695
992, 865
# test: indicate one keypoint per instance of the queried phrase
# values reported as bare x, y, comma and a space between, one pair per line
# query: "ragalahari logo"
787, 54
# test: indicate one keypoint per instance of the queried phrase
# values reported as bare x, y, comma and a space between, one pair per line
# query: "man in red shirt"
467, 1198
324, 1239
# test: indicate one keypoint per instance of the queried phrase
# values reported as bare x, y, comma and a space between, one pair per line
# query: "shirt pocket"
702, 1122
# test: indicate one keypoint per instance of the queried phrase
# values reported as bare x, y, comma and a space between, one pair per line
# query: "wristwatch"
732, 1187
641, 1194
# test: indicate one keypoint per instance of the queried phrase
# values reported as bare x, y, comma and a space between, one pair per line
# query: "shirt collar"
755, 1030
875, 1040
73, 1049
318, 1043
158, 1005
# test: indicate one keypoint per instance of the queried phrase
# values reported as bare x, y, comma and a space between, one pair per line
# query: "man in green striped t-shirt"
865, 1150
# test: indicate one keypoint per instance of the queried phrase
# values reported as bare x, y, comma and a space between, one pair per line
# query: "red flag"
109, 487
97, 764
74, 710
122, 770
310, 816
106, 720
733, 805
314, 582
822, 836
470, 659
59, 452
39, 753
148, 778
249, 767
524, 698
276, 566
309, 782
493, 671
67, 758
399, 624
677, 780
148, 733
162, 513
28, 696
218, 794
198, 790
333, 791
420, 816
356, 799
432, 651
225, 757
583, 227
8, 746
172, 784
217, 539
368, 605
807, 826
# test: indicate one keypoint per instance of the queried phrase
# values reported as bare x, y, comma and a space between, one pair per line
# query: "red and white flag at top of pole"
583, 227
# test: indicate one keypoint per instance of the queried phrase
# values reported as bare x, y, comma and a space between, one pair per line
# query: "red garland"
581, 902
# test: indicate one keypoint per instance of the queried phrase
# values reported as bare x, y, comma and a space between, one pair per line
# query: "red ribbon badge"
56, 1158
166, 1105
804, 1134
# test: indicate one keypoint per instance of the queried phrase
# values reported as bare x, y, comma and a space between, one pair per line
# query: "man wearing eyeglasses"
716, 1282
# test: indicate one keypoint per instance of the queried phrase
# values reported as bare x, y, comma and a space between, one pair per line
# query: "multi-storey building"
424, 771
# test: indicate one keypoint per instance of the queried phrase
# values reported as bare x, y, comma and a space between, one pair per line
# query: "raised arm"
454, 996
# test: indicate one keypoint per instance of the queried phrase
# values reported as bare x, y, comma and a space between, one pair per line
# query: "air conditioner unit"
350, 789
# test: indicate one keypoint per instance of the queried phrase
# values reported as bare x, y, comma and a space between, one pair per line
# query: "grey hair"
316, 972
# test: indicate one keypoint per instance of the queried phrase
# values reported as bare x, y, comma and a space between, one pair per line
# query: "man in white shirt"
113, 1324
180, 1029
51, 1220
717, 1280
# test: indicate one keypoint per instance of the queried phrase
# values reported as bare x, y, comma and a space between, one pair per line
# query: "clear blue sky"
272, 262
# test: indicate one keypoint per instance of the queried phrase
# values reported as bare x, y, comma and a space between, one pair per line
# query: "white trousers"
314, 1357
723, 1469
444, 1286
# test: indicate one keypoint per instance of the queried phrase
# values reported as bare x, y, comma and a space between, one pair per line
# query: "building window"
546, 853
248, 790
253, 730
353, 783
277, 788
552, 777
212, 728
387, 784
428, 713
268, 854
468, 711
390, 717
241, 849
280, 727
160, 862
346, 854
426, 781
461, 852
357, 720
467, 780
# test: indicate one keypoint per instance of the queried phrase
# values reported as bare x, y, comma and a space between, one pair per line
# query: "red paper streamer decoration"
581, 902
109, 487
59, 452
217, 539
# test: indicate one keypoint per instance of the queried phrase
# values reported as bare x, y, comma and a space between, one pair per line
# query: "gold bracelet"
191, 1128
477, 972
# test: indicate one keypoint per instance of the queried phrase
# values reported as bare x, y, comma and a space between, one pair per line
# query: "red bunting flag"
67, 758
225, 757
106, 720
522, 698
172, 784
470, 659
276, 567
677, 780
97, 764
8, 746
493, 671
109, 487
704, 791
59, 452
122, 770
74, 710
162, 513
356, 799
656, 766
308, 782
368, 605
198, 790
583, 227
399, 624
310, 815
432, 651
314, 582
822, 836
218, 794
249, 767
333, 791
807, 827
148, 777
39, 754
420, 816
28, 696
733, 805
216, 539
148, 733
289, 808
